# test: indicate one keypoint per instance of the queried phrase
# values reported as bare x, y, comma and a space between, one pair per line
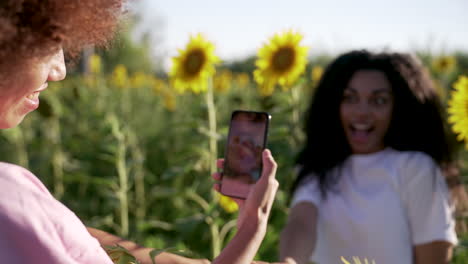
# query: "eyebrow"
376, 91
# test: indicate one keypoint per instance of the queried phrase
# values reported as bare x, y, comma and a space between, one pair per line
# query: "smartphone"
246, 141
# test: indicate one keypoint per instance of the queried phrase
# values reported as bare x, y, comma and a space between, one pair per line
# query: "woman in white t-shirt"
370, 183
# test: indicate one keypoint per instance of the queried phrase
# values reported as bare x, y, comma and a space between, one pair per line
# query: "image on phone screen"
243, 159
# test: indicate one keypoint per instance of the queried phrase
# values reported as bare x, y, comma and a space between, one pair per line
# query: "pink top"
36, 228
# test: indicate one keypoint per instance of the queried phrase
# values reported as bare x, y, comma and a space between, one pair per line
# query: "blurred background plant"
132, 154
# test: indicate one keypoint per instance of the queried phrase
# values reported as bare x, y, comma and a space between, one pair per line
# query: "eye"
349, 98
381, 100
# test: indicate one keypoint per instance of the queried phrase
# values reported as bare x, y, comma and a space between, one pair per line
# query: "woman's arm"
139, 252
437, 252
298, 237
252, 224
253, 217
426, 199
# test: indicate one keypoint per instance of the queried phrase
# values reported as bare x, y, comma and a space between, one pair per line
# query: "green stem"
199, 200
212, 127
296, 126
140, 187
57, 158
123, 180
215, 238
22, 152
121, 166
226, 229
139, 173
214, 229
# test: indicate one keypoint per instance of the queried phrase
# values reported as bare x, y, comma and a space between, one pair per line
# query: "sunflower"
444, 64
281, 61
242, 80
222, 81
170, 100
158, 85
119, 76
316, 73
194, 65
139, 79
458, 109
95, 64
228, 204
161, 88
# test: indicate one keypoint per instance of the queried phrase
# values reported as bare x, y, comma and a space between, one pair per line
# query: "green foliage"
246, 65
113, 153
85, 147
136, 56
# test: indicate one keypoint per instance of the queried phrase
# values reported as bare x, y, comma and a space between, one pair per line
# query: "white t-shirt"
384, 204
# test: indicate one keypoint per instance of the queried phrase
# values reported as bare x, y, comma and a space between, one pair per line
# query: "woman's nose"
57, 71
363, 108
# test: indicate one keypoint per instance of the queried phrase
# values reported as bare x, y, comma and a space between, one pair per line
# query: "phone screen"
243, 159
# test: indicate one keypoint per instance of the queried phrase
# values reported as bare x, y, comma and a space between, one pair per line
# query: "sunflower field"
130, 150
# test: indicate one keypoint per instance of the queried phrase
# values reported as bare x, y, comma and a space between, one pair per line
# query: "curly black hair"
36, 28
417, 119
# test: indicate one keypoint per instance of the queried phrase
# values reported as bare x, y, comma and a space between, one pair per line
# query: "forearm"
244, 245
437, 252
298, 238
296, 245
139, 252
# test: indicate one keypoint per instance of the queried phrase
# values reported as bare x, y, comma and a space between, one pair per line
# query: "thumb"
269, 165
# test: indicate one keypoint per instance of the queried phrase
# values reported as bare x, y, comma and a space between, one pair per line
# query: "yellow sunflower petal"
281, 61
228, 204
194, 65
444, 64
458, 109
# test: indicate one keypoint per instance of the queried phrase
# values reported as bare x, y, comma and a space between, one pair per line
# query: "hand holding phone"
243, 159
253, 215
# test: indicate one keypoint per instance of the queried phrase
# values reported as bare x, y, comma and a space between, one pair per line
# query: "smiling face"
245, 143
366, 111
19, 93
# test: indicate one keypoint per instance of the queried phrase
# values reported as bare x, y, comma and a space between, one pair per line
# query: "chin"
6, 124
365, 150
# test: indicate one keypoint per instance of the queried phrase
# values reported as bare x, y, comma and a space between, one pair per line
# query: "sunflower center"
283, 59
194, 62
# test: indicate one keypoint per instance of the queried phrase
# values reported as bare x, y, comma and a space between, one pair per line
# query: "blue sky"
238, 28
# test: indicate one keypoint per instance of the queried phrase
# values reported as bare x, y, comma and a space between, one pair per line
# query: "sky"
239, 27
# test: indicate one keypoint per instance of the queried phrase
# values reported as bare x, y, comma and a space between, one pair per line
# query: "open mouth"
245, 152
360, 133
33, 96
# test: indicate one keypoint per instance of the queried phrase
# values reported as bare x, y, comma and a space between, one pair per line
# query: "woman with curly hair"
370, 181
35, 227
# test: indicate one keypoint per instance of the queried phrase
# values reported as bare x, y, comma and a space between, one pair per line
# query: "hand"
256, 208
